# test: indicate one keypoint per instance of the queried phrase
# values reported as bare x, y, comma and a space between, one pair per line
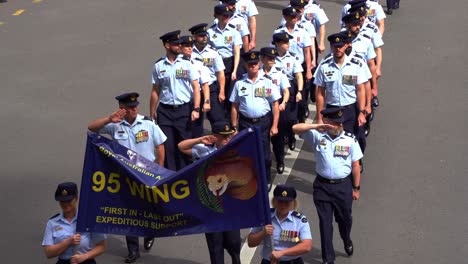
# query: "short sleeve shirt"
290, 64
211, 59
224, 40
201, 150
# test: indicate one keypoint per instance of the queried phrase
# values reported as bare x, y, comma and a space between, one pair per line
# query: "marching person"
200, 147
375, 12
60, 237
255, 103
250, 12
288, 237
176, 94
337, 184
138, 133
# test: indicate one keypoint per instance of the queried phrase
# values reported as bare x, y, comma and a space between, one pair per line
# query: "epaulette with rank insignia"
355, 61
199, 59
370, 26
213, 26
358, 56
268, 77
187, 58
300, 26
366, 36
279, 27
351, 135
279, 69
300, 216
232, 26
160, 59
147, 118
55, 215
327, 59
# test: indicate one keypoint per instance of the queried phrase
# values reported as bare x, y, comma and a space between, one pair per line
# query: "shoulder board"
366, 36
187, 58
300, 216
327, 59
279, 69
55, 215
349, 134
370, 26
300, 26
213, 26
160, 59
266, 76
147, 118
292, 54
198, 59
211, 47
272, 210
355, 61
231, 26
357, 56
279, 27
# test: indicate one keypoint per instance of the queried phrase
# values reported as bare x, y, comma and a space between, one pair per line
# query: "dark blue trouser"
175, 122
264, 123
133, 244
216, 113
333, 199
391, 3
218, 241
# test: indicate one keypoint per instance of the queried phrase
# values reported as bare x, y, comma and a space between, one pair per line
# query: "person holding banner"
61, 240
288, 237
201, 147
138, 133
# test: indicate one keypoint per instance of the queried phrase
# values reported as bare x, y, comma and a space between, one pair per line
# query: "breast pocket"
331, 78
59, 235
118, 135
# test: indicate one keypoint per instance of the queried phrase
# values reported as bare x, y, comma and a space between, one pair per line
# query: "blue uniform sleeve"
377, 39
194, 75
370, 54
310, 136
155, 79
379, 12
158, 136
244, 29
275, 93
361, 75
284, 81
234, 98
307, 42
237, 39
304, 231
97, 237
252, 9
108, 129
297, 66
356, 153
48, 239
320, 17
200, 151
218, 63
319, 80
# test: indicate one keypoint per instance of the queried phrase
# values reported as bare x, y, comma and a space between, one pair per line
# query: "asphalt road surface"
62, 62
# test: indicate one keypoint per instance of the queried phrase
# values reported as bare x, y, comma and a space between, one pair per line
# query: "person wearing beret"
300, 45
176, 94
217, 242
281, 82
255, 103
60, 237
288, 237
338, 179
225, 38
293, 69
210, 57
138, 133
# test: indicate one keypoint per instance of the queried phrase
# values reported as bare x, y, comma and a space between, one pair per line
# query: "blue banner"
124, 193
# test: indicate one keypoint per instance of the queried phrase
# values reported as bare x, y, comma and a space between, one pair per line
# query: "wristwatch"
363, 111
196, 109
207, 101
357, 188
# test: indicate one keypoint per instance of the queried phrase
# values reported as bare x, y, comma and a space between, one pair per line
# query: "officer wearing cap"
200, 147
281, 83
301, 46
176, 93
255, 103
289, 230
293, 70
60, 237
214, 63
337, 184
205, 79
138, 133
227, 41
374, 10
238, 20
340, 83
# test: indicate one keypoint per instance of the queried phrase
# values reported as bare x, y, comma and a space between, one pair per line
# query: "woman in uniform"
288, 237
60, 237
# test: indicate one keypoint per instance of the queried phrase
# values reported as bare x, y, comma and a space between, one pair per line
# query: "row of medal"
291, 236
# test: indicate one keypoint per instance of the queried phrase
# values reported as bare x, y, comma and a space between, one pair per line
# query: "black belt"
67, 261
252, 120
320, 178
344, 106
173, 106
292, 261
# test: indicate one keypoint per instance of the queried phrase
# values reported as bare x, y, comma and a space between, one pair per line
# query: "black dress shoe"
306, 114
328, 262
132, 257
349, 248
375, 101
280, 167
292, 144
396, 6
148, 243
389, 11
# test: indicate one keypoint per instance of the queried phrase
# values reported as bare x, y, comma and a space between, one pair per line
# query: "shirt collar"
289, 217
62, 218
137, 121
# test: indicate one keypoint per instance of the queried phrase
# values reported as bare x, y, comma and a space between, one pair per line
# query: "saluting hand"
208, 140
117, 116
323, 127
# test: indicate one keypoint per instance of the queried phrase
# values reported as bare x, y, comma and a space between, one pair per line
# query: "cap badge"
302, 1
286, 35
64, 193
178, 36
273, 52
294, 10
357, 15
190, 39
340, 113
226, 128
337, 40
133, 98
204, 28
227, 8
284, 193
252, 56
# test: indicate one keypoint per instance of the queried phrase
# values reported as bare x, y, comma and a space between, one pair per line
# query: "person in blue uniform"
176, 93
337, 184
225, 38
289, 230
281, 82
138, 133
255, 103
200, 147
60, 237
392, 5
214, 62
293, 69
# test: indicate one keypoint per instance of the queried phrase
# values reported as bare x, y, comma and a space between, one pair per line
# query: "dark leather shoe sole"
148, 243
280, 168
131, 258
349, 248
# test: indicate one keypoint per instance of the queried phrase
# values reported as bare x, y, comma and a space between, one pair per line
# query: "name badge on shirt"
341, 151
141, 136
262, 92
227, 39
350, 79
182, 74
209, 62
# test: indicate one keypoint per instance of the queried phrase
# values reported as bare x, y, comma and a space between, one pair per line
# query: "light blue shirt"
247, 8
313, 16
290, 65
211, 59
286, 234
300, 41
175, 80
143, 136
224, 40
201, 150
58, 229
364, 47
340, 82
371, 31
203, 71
254, 98
333, 157
278, 78
375, 11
